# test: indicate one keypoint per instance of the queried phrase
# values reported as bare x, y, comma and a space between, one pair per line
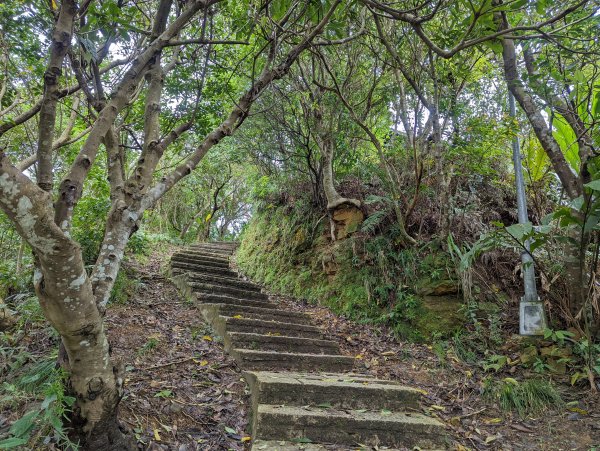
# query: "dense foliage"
360, 150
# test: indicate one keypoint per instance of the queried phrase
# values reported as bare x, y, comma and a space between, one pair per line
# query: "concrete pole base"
532, 318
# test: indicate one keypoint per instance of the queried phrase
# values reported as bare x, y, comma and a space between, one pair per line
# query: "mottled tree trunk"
68, 302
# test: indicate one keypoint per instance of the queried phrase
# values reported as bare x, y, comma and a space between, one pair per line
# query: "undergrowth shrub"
39, 385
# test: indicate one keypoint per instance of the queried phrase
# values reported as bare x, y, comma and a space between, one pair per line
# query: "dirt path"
181, 391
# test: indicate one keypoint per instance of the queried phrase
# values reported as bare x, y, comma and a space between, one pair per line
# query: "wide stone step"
281, 445
341, 391
181, 281
261, 342
217, 299
250, 359
259, 326
266, 314
228, 290
213, 248
194, 268
198, 260
235, 282
350, 427
204, 254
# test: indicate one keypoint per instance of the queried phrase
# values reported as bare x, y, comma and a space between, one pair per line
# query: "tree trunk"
68, 303
334, 200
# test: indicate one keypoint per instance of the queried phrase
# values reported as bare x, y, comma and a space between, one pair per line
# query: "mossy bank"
365, 276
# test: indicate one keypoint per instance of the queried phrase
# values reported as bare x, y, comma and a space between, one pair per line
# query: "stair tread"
341, 380
266, 322
232, 300
225, 282
202, 269
383, 417
282, 338
282, 445
265, 314
204, 255
349, 427
285, 313
292, 355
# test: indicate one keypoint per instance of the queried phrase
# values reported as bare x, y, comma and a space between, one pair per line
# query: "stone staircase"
304, 393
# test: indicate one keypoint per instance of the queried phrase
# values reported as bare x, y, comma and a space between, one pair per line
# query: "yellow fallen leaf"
454, 421
246, 439
423, 392
156, 435
359, 357
436, 407
203, 362
238, 316
492, 420
469, 374
207, 338
578, 410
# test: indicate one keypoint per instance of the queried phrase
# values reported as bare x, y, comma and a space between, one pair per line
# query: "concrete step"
213, 247
228, 290
287, 361
194, 268
202, 253
217, 299
261, 342
235, 282
267, 314
282, 445
259, 326
181, 281
205, 261
341, 391
348, 427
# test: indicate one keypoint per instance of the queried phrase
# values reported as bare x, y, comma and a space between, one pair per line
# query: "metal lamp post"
532, 318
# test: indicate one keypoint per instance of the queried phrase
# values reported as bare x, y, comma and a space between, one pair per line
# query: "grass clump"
526, 398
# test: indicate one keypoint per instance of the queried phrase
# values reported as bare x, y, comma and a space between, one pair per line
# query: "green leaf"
230, 430
540, 6
47, 401
594, 185
567, 140
520, 231
164, 394
24, 424
12, 442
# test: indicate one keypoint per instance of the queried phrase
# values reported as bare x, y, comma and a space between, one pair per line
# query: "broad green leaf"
12, 442
24, 424
594, 185
567, 140
520, 231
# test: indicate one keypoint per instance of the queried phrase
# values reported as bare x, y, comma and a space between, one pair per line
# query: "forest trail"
302, 389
